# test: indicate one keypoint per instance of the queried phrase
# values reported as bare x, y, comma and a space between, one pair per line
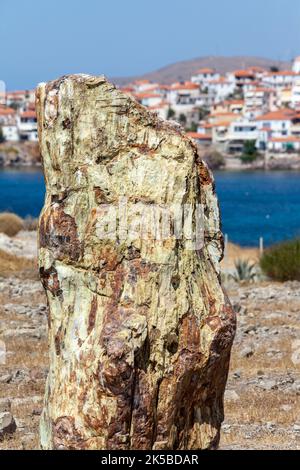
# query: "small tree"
250, 152
171, 113
182, 119
2, 138
193, 127
274, 68
14, 105
203, 112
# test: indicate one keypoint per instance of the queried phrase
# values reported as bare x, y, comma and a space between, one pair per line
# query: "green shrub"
171, 113
244, 271
10, 224
250, 153
281, 262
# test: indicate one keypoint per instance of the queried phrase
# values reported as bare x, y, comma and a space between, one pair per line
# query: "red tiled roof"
282, 73
4, 111
28, 114
184, 86
289, 139
243, 73
198, 136
206, 70
141, 96
279, 115
141, 82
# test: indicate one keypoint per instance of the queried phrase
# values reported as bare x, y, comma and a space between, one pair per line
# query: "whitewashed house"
277, 123
240, 132
284, 144
281, 79
27, 126
148, 99
10, 132
221, 89
296, 65
204, 76
295, 95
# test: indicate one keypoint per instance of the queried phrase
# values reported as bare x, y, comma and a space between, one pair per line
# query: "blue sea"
253, 204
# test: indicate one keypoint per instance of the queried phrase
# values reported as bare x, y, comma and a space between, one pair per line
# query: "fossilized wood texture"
140, 332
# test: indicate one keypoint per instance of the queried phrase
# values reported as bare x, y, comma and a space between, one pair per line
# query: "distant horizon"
123, 77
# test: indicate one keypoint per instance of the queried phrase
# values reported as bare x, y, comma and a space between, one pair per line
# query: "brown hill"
184, 69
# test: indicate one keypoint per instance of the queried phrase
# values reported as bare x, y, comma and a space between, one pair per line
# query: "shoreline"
233, 169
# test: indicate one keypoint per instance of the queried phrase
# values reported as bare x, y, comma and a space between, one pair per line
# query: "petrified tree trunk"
140, 330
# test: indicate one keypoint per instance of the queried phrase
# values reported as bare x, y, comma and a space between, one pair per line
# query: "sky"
41, 40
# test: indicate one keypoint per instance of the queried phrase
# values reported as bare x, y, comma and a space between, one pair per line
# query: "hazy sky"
43, 39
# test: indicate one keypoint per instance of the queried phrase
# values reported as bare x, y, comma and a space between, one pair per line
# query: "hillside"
184, 69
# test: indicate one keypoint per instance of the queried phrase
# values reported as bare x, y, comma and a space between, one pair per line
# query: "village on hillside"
243, 108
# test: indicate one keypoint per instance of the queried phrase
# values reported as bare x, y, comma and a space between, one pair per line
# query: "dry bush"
17, 266
10, 224
30, 223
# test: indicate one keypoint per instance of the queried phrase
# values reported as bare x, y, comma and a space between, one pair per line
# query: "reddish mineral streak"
140, 331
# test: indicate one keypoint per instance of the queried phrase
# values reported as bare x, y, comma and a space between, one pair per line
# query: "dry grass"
235, 253
10, 224
17, 266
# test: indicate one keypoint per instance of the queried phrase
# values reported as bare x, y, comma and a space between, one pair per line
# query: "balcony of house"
243, 131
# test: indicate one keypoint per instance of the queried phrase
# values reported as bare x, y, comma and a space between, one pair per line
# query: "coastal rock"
140, 328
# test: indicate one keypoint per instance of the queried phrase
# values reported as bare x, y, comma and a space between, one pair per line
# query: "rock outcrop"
140, 329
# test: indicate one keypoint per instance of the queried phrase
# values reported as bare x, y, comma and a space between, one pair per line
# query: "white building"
240, 132
295, 96
277, 123
284, 144
282, 79
148, 99
182, 93
221, 89
7, 115
10, 132
257, 101
296, 65
27, 126
204, 76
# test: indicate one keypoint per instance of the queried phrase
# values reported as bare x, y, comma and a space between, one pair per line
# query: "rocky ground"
262, 401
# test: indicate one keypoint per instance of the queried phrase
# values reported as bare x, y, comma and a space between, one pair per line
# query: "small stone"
237, 374
286, 407
268, 385
271, 427
231, 395
6, 378
36, 411
7, 423
2, 353
296, 357
226, 428
296, 428
5, 405
247, 352
296, 387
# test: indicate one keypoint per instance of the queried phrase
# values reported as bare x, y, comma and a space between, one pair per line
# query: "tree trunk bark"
140, 329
